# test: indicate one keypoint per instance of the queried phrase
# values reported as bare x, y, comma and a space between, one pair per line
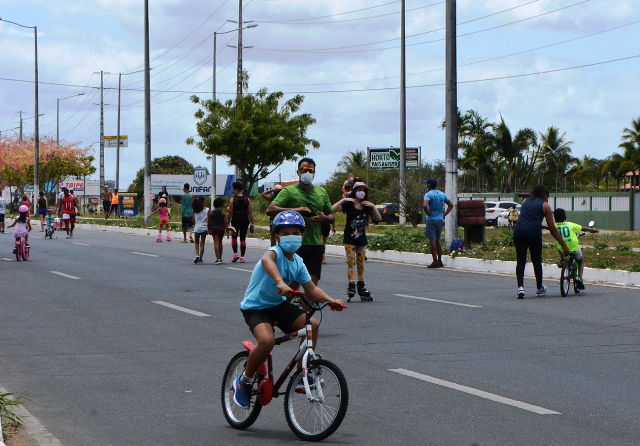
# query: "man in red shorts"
67, 210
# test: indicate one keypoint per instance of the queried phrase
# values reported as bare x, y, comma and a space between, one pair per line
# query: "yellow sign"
112, 141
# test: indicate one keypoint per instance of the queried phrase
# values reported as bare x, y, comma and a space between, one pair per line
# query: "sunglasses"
307, 169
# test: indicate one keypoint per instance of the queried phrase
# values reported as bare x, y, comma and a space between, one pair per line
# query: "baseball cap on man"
432, 182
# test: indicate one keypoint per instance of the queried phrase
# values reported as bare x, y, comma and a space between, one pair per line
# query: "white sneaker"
541, 291
520, 293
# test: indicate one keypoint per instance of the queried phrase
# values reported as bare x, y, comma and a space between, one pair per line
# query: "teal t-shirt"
187, 201
315, 199
262, 291
437, 200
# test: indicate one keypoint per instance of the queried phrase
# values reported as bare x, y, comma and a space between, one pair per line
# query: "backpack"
457, 245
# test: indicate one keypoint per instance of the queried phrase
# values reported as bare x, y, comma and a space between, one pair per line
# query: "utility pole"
213, 97
20, 125
451, 121
118, 137
101, 131
403, 122
147, 117
239, 73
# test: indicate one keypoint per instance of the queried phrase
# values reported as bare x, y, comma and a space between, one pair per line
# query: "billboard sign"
174, 183
389, 158
128, 206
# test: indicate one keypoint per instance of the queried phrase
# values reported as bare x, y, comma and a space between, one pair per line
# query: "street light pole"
403, 121
58, 116
36, 167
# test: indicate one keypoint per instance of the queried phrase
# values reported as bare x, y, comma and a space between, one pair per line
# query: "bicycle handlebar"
303, 296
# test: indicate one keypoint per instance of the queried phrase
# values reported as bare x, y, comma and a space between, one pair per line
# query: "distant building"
631, 181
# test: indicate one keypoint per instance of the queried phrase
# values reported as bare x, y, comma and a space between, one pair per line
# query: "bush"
635, 268
622, 247
400, 240
604, 263
600, 245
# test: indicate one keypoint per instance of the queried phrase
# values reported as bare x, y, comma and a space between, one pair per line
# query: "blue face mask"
290, 243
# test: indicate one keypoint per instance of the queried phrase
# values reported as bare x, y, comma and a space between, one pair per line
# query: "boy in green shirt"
569, 232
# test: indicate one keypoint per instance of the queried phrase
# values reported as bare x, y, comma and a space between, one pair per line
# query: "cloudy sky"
573, 64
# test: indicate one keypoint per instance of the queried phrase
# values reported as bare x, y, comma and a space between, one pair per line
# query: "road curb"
551, 271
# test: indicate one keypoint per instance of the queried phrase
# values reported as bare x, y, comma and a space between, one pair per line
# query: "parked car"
390, 213
492, 210
503, 218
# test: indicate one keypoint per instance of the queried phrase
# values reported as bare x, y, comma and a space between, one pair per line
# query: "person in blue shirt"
433, 205
267, 303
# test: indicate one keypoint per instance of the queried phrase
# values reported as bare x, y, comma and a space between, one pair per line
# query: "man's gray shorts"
433, 230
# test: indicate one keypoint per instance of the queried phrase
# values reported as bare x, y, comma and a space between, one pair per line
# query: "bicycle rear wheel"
575, 275
565, 277
236, 416
316, 420
25, 253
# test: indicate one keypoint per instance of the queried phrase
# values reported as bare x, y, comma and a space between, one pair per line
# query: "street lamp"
36, 167
58, 116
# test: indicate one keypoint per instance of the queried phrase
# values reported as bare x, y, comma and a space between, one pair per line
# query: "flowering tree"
55, 162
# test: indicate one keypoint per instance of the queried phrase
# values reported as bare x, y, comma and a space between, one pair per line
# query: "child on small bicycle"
569, 232
266, 302
22, 225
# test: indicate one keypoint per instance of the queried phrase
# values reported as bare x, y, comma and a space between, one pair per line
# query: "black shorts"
312, 257
282, 316
325, 228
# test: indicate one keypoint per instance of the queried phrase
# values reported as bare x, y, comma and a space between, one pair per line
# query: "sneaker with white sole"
520, 293
242, 393
218, 262
196, 260
312, 383
542, 291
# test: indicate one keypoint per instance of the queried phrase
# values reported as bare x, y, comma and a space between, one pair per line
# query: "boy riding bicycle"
265, 304
569, 232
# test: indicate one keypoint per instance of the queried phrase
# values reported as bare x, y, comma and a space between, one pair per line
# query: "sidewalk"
551, 271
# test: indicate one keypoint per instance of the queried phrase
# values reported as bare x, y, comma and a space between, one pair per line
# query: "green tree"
613, 169
556, 156
167, 165
254, 132
513, 152
478, 152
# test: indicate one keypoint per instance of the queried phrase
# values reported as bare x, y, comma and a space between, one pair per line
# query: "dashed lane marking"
240, 269
477, 392
179, 308
439, 301
82, 244
144, 254
68, 276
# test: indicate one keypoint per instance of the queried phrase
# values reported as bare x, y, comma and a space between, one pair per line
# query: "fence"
618, 211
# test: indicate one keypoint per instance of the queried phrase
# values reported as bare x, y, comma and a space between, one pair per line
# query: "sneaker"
196, 260
520, 293
235, 257
218, 262
242, 260
71, 234
27, 245
68, 236
15, 250
242, 393
440, 264
434, 264
580, 283
312, 383
542, 291
200, 261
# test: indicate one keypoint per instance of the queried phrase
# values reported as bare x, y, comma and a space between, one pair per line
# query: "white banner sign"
199, 183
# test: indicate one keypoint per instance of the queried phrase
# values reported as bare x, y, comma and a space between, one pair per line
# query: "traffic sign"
112, 141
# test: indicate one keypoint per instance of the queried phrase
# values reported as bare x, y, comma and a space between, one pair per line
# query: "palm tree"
511, 151
478, 154
613, 168
632, 135
556, 154
353, 161
631, 146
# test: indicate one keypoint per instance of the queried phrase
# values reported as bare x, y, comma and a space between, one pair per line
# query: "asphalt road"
440, 357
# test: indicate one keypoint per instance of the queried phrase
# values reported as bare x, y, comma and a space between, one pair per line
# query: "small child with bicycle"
569, 232
22, 225
266, 301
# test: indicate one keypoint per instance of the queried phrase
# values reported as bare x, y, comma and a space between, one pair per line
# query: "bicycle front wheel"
565, 278
236, 416
317, 419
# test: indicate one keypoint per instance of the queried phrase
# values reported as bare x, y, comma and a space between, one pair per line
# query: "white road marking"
476, 392
33, 427
65, 275
6, 258
439, 301
240, 269
143, 254
176, 307
83, 244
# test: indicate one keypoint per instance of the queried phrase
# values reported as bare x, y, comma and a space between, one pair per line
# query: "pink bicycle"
21, 250
312, 413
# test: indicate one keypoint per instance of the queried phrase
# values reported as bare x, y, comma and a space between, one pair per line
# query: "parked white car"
492, 210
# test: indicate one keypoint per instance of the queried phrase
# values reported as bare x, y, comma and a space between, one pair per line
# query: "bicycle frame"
267, 389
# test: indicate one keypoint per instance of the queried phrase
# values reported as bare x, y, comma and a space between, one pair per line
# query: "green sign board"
389, 158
